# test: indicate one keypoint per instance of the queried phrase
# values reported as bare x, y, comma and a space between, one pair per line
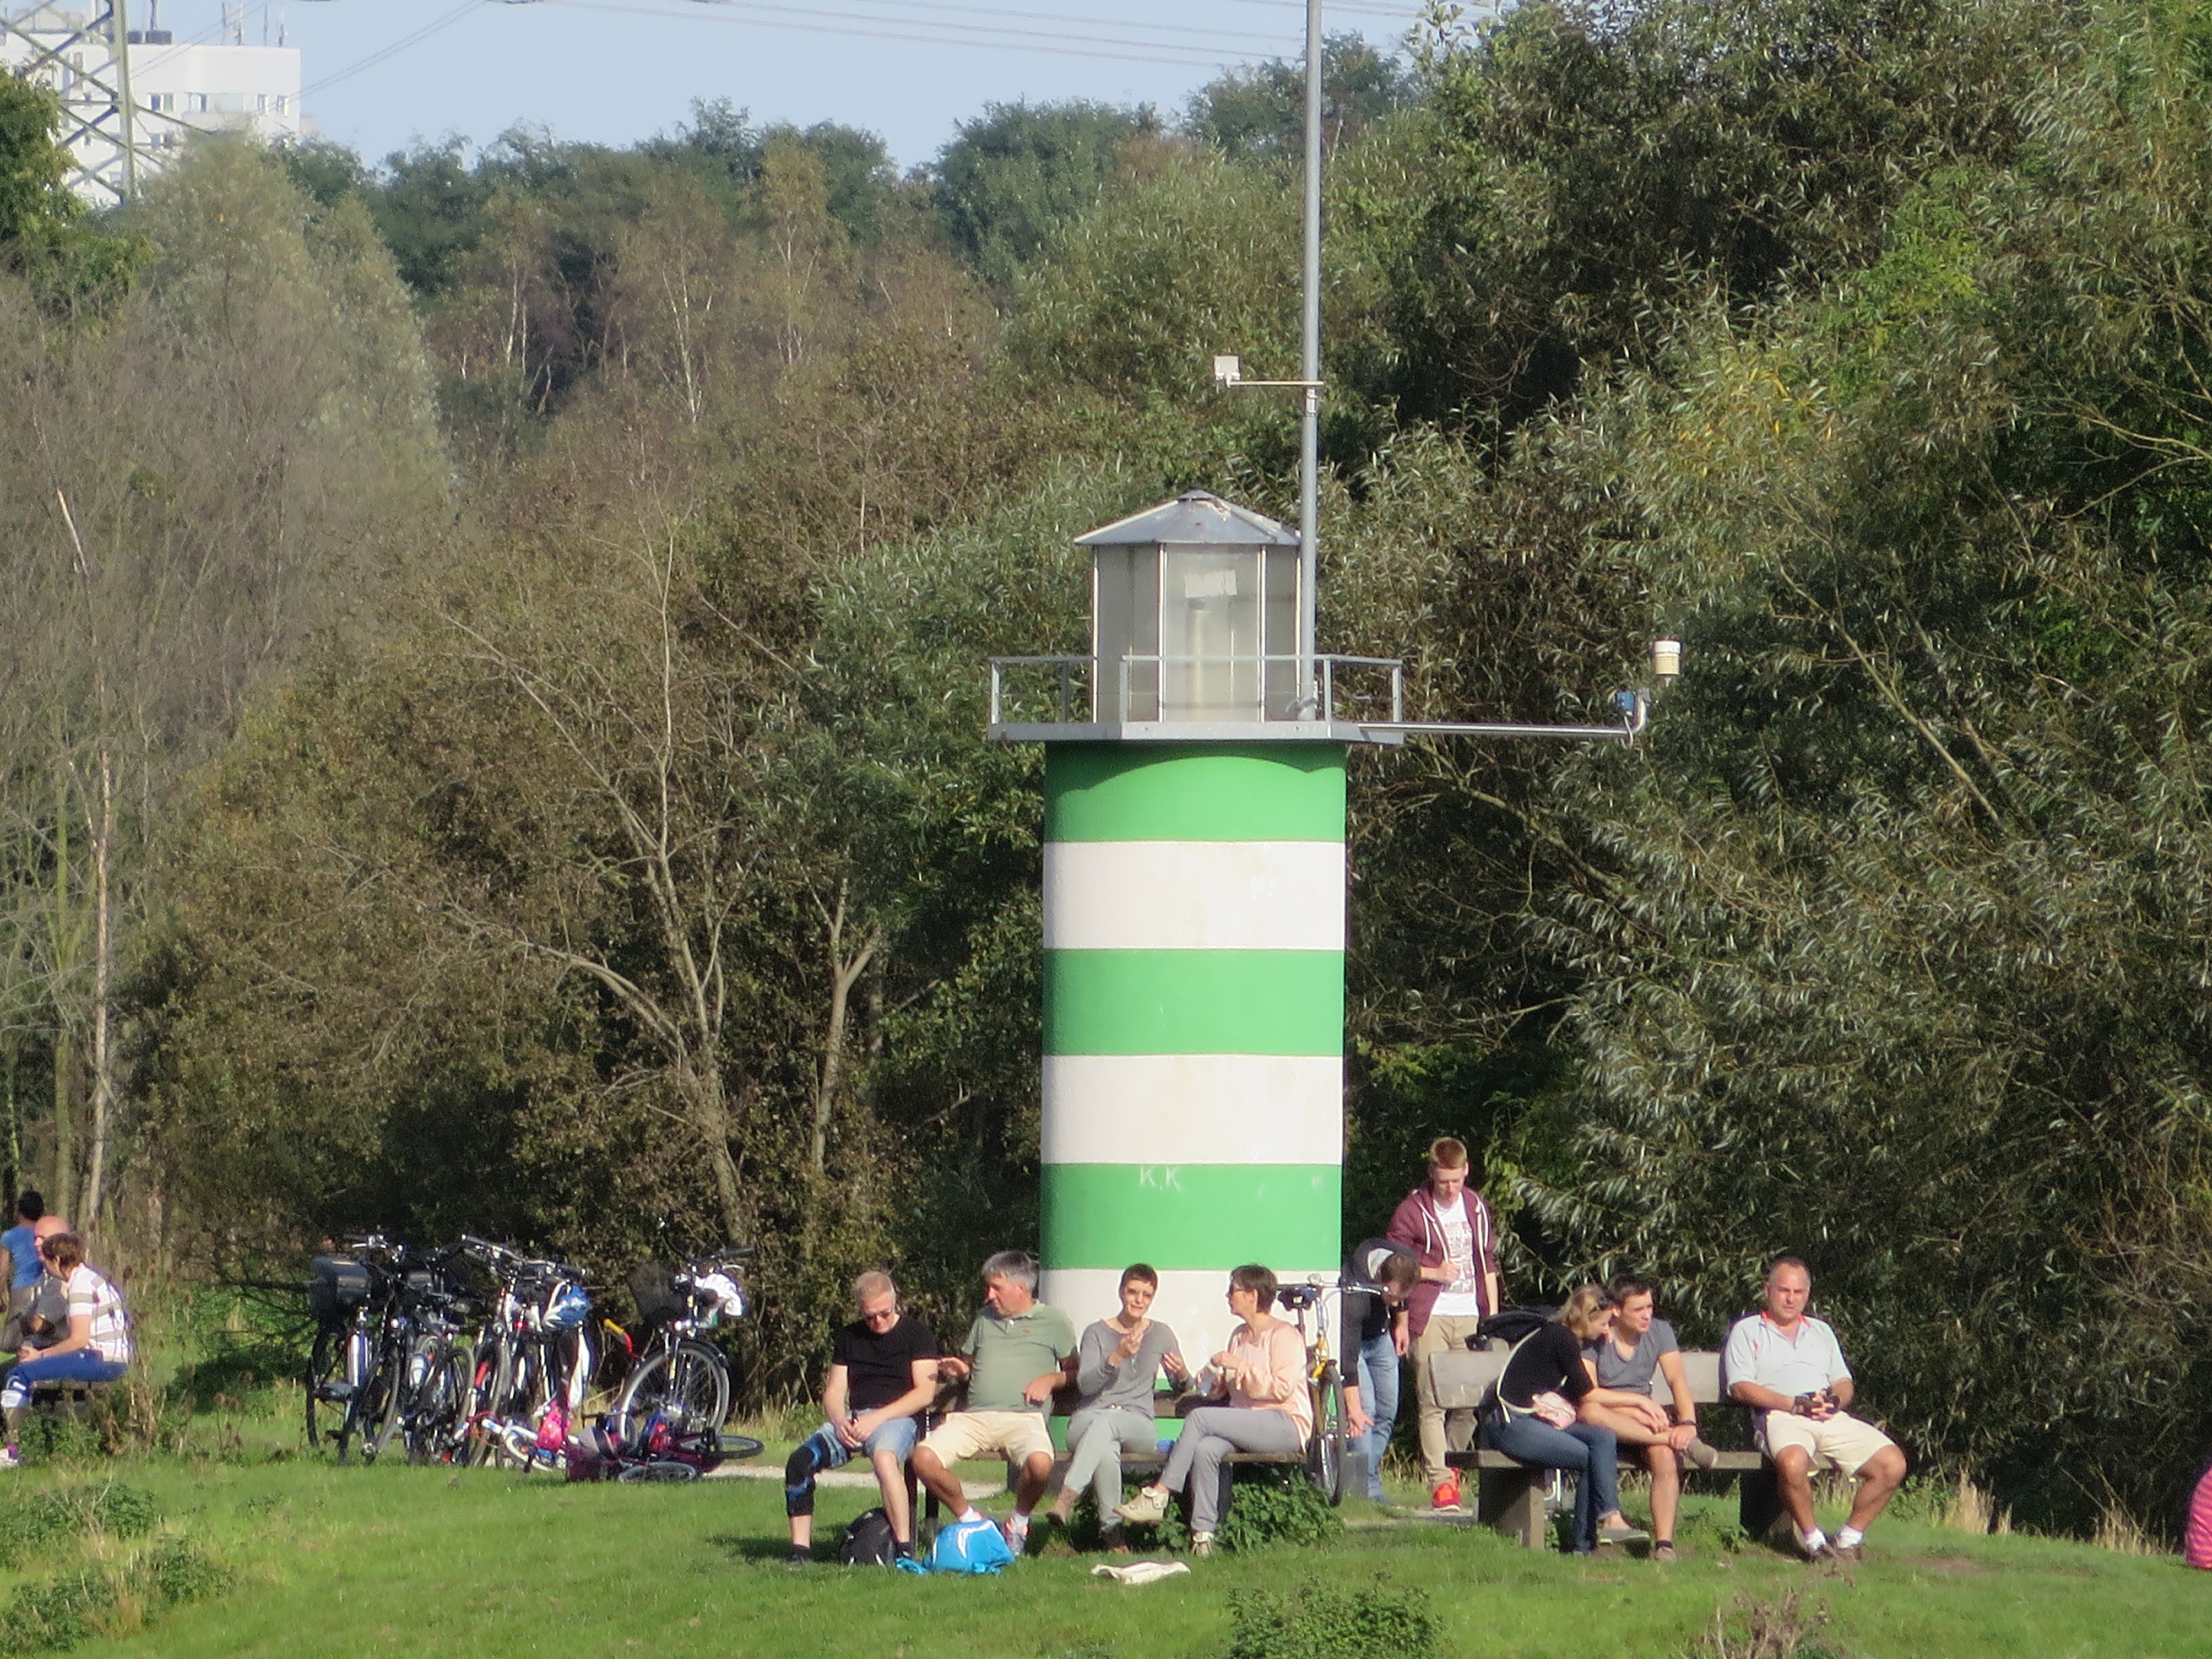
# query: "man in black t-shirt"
883, 1370
1378, 1276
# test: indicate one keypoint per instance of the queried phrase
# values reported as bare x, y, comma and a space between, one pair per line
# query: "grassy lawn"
329, 1561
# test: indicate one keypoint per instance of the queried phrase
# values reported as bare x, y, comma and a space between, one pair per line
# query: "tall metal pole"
1310, 372
126, 109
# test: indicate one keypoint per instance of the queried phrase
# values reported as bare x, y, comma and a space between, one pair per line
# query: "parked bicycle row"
479, 1352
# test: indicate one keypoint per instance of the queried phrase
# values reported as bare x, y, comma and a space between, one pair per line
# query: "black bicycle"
677, 1373
432, 1357
348, 1383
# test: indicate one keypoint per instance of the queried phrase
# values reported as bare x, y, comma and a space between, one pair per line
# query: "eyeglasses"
882, 1313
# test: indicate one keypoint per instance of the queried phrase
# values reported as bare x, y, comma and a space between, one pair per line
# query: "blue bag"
971, 1546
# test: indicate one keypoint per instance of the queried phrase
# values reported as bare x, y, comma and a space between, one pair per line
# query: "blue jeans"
77, 1366
1374, 1368
826, 1449
1588, 1452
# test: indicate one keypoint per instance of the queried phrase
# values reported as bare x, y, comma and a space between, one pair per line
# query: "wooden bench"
1509, 1494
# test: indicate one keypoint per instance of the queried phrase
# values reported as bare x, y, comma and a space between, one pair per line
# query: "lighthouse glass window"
1195, 632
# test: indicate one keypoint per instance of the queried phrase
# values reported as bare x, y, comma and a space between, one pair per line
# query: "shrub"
1380, 1621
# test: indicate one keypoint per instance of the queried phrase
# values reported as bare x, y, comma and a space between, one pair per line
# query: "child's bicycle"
1325, 1449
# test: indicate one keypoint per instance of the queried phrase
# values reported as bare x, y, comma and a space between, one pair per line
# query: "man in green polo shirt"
1017, 1354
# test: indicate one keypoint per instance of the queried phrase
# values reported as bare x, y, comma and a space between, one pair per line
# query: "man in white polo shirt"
1788, 1367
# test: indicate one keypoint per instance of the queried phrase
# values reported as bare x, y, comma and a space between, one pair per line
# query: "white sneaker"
1147, 1509
9, 1460
1202, 1543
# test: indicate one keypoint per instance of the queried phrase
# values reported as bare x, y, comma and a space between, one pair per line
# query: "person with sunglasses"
883, 1373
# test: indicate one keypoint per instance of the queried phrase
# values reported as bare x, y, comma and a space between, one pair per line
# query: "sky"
379, 74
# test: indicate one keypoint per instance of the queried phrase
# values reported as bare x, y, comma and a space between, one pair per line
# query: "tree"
1259, 109
1019, 174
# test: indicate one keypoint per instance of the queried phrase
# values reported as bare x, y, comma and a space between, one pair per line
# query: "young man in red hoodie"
1447, 1226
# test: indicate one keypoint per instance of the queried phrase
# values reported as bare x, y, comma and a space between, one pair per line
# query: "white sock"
1812, 1541
1017, 1524
1848, 1537
971, 1513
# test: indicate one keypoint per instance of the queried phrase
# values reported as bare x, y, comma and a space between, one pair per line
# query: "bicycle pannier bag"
868, 1541
339, 1286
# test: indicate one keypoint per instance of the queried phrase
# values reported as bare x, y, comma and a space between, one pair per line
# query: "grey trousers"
1209, 1434
1095, 1436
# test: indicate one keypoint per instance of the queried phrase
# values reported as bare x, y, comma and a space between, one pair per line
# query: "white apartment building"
177, 88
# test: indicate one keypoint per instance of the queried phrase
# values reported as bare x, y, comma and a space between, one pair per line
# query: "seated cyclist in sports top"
96, 1349
882, 1371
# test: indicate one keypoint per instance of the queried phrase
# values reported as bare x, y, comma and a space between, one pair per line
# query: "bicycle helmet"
570, 1309
723, 1291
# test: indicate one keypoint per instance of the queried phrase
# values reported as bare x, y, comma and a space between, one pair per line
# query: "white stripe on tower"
1193, 1109
1194, 896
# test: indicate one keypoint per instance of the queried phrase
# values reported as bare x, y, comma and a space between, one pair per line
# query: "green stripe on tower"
1194, 791
1192, 1215
1193, 1002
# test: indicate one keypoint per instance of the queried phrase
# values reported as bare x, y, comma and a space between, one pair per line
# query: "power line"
395, 47
1136, 43
1244, 36
762, 15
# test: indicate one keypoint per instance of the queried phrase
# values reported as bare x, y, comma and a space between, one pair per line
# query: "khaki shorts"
1846, 1441
1016, 1436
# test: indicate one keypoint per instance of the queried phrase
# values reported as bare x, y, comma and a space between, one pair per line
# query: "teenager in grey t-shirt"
1632, 1371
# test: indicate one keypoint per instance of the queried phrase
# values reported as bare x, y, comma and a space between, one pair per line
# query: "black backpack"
1514, 1326
868, 1541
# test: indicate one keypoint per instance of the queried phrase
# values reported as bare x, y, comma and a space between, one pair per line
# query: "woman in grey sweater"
1118, 1361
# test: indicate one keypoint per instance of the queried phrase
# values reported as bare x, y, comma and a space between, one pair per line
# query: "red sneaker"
1445, 1497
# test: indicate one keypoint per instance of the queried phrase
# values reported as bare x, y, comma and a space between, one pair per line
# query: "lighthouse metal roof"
1197, 516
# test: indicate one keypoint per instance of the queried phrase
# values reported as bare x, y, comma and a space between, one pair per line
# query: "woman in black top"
1551, 1362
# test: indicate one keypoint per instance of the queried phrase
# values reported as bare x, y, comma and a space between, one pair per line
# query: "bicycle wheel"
689, 1385
525, 1389
438, 1432
479, 1405
379, 1401
1325, 1451
361, 1377
326, 1390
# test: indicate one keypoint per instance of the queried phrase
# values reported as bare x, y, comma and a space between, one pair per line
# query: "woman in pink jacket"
1261, 1375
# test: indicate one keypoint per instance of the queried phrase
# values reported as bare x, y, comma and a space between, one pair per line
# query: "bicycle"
534, 1362
676, 1372
1325, 1448
433, 1361
353, 1297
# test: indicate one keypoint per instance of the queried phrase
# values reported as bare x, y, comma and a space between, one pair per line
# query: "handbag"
1552, 1408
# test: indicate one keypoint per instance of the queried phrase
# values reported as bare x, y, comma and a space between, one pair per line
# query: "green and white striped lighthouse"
1194, 896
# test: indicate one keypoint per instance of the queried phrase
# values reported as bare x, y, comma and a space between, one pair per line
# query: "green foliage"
1275, 1504
110, 1597
72, 265
1259, 109
1019, 175
34, 205
38, 1521
1383, 1620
